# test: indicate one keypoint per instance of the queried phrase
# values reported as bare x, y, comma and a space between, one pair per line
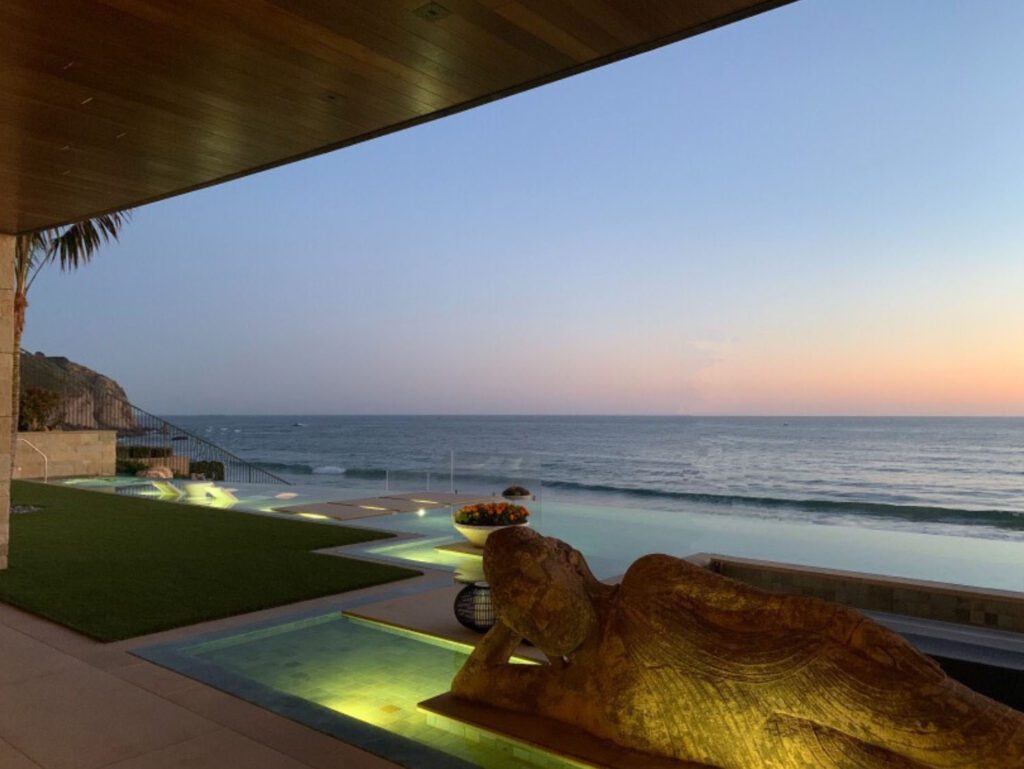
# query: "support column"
6, 366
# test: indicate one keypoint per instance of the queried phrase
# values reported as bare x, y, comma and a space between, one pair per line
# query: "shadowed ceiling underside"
107, 104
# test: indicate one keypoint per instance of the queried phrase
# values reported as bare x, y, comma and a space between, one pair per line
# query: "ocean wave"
366, 473
299, 468
294, 468
1002, 519
823, 510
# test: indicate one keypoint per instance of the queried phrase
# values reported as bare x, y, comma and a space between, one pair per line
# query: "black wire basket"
474, 609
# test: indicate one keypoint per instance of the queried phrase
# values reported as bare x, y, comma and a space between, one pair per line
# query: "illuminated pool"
361, 683
613, 536
357, 681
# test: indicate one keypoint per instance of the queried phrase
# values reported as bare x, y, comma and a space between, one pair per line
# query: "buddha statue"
682, 663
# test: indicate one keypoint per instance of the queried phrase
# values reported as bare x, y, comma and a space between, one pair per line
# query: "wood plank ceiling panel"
107, 104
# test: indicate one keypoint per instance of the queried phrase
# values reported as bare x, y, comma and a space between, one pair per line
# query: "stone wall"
6, 373
69, 453
1000, 609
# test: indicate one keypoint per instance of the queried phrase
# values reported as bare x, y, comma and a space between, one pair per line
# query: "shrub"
40, 409
129, 466
143, 452
516, 491
492, 514
212, 470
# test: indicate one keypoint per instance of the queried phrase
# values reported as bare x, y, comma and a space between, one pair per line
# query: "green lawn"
114, 567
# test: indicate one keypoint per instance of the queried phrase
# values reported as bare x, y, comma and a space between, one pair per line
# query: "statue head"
540, 589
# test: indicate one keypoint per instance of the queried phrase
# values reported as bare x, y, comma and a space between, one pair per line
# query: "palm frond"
75, 245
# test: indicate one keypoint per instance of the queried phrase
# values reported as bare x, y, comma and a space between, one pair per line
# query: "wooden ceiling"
107, 104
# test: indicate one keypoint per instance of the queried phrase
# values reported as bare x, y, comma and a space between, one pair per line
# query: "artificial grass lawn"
114, 567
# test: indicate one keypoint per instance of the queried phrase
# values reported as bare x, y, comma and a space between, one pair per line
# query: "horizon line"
606, 415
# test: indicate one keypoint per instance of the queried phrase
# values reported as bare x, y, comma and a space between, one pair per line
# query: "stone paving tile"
217, 750
11, 758
107, 657
23, 657
154, 678
311, 747
49, 633
99, 719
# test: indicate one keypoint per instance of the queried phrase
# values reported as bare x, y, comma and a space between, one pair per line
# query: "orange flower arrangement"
492, 514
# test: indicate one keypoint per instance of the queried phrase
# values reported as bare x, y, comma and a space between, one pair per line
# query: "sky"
819, 210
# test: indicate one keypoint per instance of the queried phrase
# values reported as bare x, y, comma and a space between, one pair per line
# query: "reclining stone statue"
682, 663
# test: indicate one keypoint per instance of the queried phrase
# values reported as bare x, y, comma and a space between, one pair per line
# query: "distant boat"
298, 424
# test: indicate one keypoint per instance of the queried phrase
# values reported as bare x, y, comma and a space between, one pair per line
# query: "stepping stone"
389, 504
337, 511
444, 498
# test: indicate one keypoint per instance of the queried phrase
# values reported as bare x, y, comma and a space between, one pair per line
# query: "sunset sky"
815, 211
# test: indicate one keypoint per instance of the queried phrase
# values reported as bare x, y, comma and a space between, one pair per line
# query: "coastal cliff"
88, 400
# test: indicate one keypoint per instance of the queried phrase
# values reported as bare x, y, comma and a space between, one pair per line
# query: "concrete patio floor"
68, 702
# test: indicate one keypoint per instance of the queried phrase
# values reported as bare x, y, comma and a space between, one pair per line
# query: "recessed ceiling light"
432, 12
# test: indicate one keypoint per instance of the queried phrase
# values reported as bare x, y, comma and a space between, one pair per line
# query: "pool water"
612, 538
368, 673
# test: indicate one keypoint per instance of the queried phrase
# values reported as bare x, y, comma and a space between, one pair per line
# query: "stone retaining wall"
69, 453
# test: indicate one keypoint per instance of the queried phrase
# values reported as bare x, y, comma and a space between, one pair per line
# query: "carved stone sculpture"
683, 663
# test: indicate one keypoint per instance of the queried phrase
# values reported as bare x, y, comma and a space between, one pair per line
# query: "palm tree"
72, 245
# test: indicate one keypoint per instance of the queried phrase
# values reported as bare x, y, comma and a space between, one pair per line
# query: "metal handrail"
182, 432
46, 459
136, 427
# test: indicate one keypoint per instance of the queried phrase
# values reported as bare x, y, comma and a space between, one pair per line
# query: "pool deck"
68, 702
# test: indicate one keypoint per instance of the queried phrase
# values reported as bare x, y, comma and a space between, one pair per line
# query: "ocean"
945, 475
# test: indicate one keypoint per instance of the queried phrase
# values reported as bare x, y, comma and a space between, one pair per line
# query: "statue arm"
495, 648
487, 675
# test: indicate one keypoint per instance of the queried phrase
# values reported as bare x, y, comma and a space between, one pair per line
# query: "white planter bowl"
477, 535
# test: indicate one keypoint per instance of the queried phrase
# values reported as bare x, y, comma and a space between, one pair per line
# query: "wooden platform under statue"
548, 736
